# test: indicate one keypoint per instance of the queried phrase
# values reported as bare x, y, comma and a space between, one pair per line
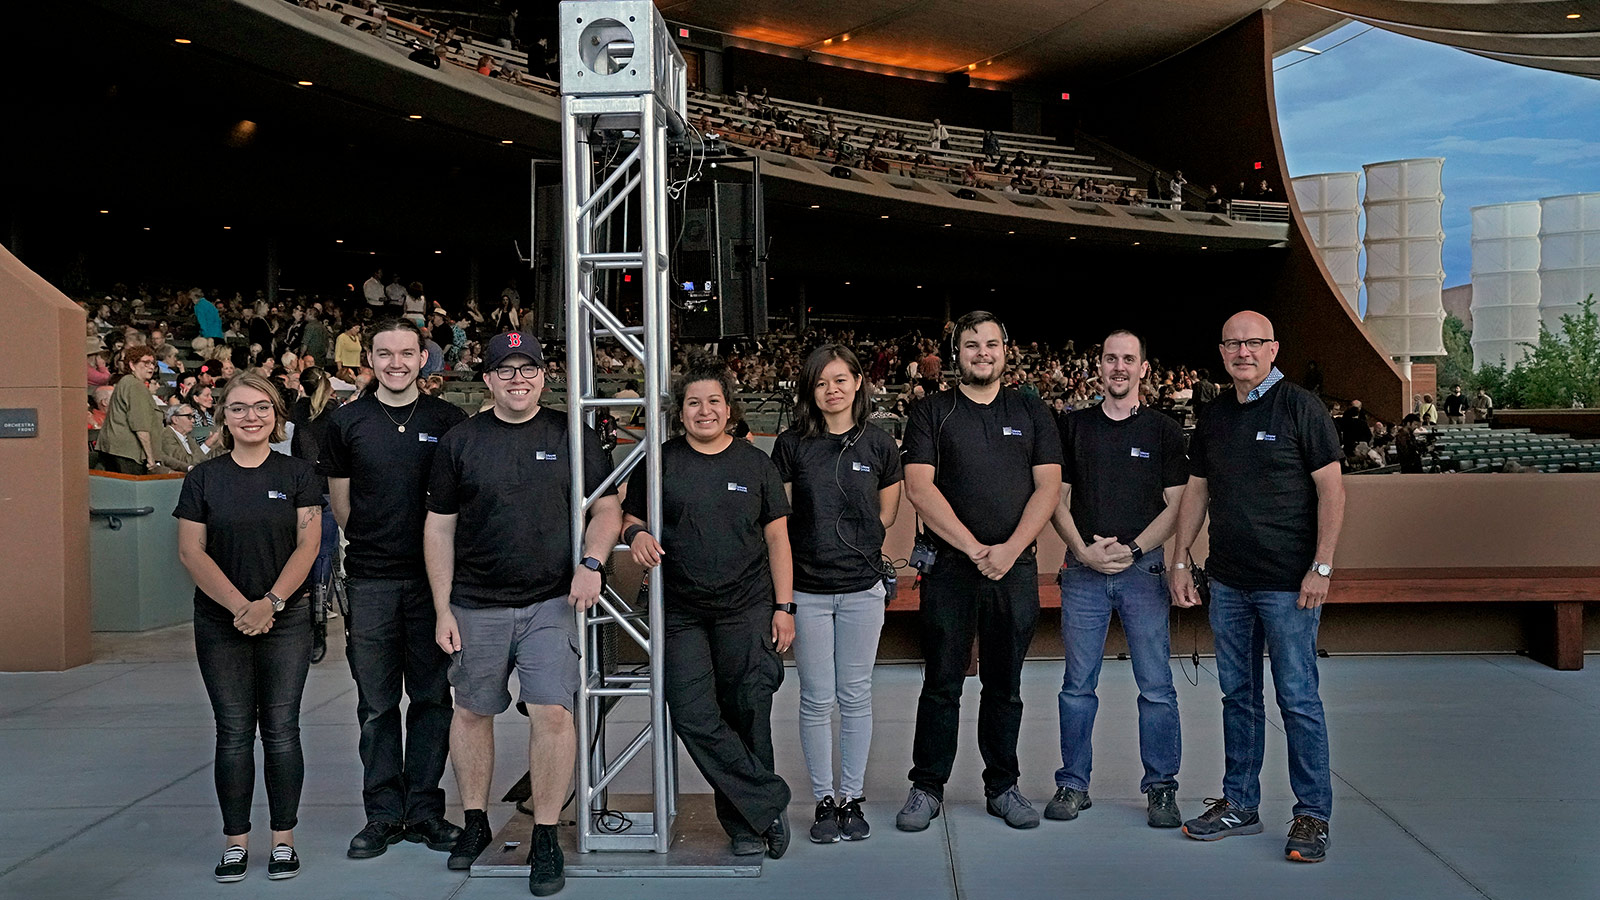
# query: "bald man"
1264, 463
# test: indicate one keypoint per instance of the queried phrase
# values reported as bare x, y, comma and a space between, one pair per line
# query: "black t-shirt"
1257, 459
1118, 469
249, 514
509, 484
388, 471
983, 456
714, 510
1455, 405
836, 533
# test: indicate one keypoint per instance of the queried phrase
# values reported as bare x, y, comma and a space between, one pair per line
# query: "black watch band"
785, 607
592, 564
631, 532
1137, 551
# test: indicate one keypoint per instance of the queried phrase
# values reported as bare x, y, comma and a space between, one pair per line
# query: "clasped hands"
256, 617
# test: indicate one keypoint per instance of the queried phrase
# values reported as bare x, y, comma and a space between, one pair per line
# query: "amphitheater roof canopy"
1073, 43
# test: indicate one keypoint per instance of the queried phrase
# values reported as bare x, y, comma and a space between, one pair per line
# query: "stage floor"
1454, 777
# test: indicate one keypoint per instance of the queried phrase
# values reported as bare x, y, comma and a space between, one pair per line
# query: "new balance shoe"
1066, 804
1222, 819
1308, 840
921, 808
474, 839
1014, 808
852, 824
547, 872
375, 839
825, 830
235, 860
436, 833
1163, 807
285, 863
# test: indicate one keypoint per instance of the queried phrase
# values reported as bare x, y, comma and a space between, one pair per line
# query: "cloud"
1538, 150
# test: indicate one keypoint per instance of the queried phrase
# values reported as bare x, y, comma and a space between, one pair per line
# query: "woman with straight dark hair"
248, 533
726, 575
843, 477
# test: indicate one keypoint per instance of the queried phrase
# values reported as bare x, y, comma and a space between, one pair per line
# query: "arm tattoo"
306, 518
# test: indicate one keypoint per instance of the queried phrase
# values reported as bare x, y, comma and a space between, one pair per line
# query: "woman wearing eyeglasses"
248, 532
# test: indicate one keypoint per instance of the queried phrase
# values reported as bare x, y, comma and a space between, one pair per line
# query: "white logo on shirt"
1136, 453
1263, 436
735, 486
860, 467
1008, 431
545, 454
424, 437
277, 495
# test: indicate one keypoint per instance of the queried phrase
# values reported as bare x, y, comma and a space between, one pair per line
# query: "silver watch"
1322, 569
278, 603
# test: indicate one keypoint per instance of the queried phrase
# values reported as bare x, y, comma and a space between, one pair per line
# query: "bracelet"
630, 533
1180, 566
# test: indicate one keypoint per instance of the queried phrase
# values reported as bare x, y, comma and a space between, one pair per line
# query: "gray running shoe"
920, 809
1222, 819
1066, 804
1014, 808
1308, 840
1163, 803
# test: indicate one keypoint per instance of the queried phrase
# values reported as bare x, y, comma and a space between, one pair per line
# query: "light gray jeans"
835, 647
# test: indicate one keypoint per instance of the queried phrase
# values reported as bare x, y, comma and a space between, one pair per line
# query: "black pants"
391, 648
122, 465
257, 681
958, 602
721, 674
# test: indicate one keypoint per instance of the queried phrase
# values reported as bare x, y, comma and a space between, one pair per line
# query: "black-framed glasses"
187, 415
529, 371
237, 410
1251, 344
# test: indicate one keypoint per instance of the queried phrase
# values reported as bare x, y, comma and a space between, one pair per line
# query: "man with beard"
1123, 471
983, 470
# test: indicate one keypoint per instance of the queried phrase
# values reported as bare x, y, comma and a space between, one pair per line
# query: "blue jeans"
1140, 598
835, 647
1242, 624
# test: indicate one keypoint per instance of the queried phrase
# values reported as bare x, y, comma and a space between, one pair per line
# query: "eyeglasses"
187, 415
1252, 344
237, 410
529, 371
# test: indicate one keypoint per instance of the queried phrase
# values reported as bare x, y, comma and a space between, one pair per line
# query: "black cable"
838, 523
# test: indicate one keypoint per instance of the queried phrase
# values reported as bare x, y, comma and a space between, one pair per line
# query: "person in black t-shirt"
983, 469
1123, 470
843, 477
498, 545
248, 534
727, 580
1264, 462
1455, 407
377, 453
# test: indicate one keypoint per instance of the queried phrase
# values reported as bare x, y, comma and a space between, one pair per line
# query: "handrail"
114, 516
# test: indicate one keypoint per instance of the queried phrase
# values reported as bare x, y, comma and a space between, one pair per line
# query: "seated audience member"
99, 402
99, 364
180, 449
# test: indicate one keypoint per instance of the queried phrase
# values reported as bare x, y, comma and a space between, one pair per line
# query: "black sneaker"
852, 824
1308, 840
1163, 807
748, 845
1222, 819
474, 838
777, 836
825, 830
374, 839
285, 863
547, 871
1066, 804
234, 861
436, 833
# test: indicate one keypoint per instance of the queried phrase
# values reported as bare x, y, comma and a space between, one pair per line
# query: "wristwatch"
1322, 569
592, 564
785, 607
1137, 552
278, 603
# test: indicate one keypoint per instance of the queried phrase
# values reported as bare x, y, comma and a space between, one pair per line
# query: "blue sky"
1506, 132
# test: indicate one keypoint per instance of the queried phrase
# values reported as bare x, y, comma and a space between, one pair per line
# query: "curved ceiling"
1075, 43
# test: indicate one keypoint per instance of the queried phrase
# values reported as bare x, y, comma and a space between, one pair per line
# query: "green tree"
1560, 369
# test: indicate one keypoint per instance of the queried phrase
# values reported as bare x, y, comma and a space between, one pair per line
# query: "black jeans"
257, 681
958, 602
391, 646
721, 674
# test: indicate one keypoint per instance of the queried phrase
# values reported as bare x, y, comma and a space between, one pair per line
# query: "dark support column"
1566, 651
472, 275
800, 317
272, 269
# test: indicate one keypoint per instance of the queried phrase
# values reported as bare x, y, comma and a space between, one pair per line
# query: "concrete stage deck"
1455, 777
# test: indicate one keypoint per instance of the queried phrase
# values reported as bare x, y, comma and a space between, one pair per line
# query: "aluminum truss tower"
622, 78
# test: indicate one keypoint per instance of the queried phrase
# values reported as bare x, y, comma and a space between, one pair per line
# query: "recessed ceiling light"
1011, 232
816, 206
947, 224
883, 217
1574, 15
104, 211
827, 42
338, 240
413, 117
971, 66
847, 282
303, 83
1073, 238
507, 142
182, 41
227, 228
147, 228
844, 37
919, 287
1136, 243
438, 251
372, 253
1202, 248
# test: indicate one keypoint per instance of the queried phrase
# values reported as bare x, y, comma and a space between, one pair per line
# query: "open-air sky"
1506, 132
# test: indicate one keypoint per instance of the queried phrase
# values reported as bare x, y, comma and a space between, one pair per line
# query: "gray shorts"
540, 641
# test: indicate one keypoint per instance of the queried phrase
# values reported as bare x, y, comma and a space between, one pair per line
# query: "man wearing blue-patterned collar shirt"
1264, 462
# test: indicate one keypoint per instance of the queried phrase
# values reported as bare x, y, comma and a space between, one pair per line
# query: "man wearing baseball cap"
498, 548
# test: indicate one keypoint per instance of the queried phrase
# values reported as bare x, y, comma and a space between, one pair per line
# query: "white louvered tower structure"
1569, 254
1330, 203
1505, 281
1405, 263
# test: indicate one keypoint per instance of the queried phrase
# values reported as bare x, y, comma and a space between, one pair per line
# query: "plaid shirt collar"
1261, 389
